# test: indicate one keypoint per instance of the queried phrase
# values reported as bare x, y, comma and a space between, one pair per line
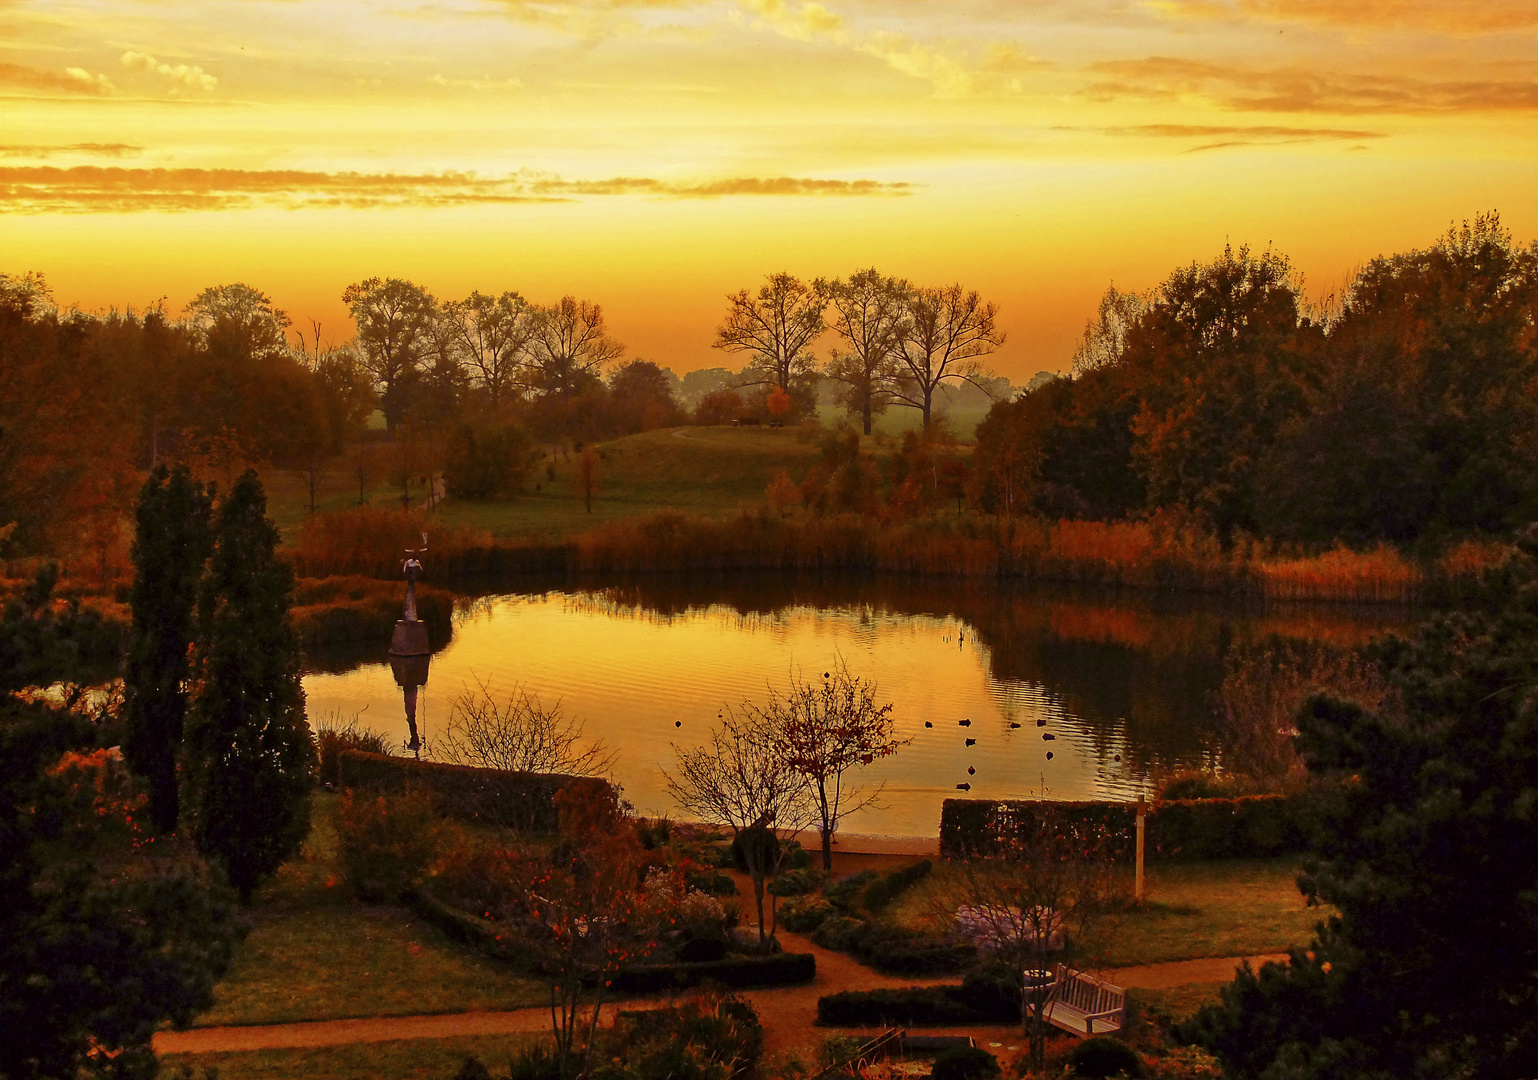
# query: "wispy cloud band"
110, 189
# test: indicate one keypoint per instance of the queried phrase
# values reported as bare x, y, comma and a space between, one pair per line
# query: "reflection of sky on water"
631, 675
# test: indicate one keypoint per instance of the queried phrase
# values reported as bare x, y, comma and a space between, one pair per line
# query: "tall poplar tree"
169, 551
248, 747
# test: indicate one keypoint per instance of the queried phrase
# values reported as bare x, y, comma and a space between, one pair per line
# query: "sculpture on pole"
409, 648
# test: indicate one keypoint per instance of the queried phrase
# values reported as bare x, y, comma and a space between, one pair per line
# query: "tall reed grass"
369, 540
1159, 552
1380, 575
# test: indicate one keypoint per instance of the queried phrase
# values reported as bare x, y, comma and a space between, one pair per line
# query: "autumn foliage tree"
827, 729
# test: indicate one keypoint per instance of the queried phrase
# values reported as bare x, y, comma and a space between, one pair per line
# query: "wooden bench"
1085, 1005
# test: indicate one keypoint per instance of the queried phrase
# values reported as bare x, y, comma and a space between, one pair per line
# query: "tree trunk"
865, 413
827, 849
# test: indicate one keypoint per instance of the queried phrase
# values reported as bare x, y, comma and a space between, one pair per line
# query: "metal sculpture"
409, 648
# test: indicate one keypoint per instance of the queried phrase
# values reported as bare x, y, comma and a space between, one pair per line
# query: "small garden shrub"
797, 882
837, 932
711, 883
388, 841
964, 1063
1102, 1056
878, 894
804, 914
843, 893
712, 1035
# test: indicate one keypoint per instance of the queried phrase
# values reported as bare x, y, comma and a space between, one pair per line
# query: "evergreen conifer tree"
248, 750
169, 551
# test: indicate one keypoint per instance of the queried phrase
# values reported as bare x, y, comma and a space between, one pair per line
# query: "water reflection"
1121, 683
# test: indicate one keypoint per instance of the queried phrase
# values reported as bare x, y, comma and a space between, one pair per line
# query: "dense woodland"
1402, 411
1222, 403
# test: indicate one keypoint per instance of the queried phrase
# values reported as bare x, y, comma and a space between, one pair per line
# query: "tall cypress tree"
248, 749
170, 548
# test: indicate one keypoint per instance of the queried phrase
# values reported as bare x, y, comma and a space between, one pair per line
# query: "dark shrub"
472, 1069
804, 914
1102, 1056
878, 894
796, 882
843, 893
890, 948
711, 883
837, 933
964, 1063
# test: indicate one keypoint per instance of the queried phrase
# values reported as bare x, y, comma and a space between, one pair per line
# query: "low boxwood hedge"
737, 972
981, 1000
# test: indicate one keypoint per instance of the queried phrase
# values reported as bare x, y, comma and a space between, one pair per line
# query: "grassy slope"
710, 471
315, 953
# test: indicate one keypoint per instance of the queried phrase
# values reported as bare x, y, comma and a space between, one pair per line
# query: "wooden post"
1137, 886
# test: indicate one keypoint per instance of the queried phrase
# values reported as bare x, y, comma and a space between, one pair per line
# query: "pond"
1069, 694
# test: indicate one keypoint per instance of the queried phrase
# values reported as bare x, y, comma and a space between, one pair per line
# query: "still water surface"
1121, 683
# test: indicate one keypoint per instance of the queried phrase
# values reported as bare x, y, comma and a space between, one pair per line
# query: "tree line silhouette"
1402, 411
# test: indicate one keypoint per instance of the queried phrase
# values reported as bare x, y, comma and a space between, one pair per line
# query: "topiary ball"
1102, 1056
964, 1063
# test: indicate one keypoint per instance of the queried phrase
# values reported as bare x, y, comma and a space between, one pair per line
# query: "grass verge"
315, 953
1232, 907
402, 1059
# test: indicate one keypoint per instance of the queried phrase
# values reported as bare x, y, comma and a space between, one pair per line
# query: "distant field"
700, 470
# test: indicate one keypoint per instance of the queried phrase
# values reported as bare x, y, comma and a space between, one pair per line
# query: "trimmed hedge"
1250, 826
975, 1001
890, 948
521, 800
738, 972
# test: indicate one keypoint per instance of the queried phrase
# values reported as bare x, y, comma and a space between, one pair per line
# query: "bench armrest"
1102, 1015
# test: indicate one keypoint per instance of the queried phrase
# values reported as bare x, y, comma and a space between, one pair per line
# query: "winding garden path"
787, 1013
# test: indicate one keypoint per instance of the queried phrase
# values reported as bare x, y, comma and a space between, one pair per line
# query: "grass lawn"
404, 1059
1237, 907
1177, 1002
315, 953
707, 470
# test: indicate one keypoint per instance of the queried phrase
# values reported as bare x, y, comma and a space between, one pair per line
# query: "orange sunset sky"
654, 155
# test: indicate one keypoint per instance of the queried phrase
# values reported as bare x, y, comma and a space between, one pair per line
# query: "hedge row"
1251, 826
518, 800
920, 1006
737, 972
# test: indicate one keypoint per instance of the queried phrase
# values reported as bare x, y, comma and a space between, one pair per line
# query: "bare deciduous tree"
570, 345
775, 328
743, 780
869, 312
828, 729
946, 333
493, 335
517, 734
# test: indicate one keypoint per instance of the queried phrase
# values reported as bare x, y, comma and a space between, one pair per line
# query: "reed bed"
1156, 553
1381, 575
369, 540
